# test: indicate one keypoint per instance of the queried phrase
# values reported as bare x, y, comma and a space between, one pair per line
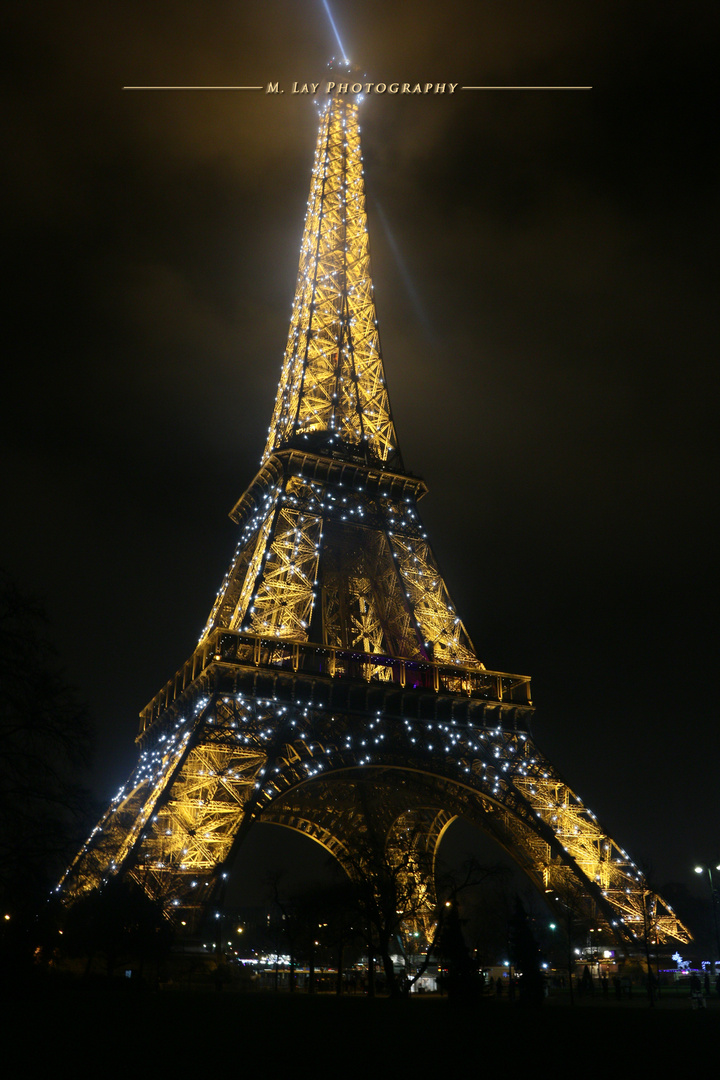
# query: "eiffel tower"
334, 689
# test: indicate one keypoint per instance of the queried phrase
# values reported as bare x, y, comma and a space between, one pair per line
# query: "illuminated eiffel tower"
335, 690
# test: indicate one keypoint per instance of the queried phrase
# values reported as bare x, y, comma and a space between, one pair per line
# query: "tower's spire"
332, 389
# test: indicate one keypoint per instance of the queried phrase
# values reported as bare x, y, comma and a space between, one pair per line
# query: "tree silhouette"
461, 977
45, 741
120, 925
525, 956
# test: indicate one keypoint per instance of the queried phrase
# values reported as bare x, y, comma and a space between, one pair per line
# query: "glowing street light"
700, 869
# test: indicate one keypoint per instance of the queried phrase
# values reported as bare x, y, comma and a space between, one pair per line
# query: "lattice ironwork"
235, 758
333, 380
334, 690
345, 563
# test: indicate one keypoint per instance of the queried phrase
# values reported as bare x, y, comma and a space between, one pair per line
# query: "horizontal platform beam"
337, 678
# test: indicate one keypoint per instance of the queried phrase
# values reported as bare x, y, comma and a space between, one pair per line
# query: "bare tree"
399, 896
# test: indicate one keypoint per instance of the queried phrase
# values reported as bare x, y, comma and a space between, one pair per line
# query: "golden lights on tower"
334, 657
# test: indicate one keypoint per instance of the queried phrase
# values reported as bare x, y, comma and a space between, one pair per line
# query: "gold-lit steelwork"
334, 673
333, 381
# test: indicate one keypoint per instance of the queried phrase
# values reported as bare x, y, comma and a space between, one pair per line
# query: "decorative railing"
235, 649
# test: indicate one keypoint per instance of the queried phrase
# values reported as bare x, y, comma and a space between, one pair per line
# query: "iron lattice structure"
334, 673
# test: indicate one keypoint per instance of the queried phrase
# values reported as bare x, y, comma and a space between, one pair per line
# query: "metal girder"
350, 567
333, 381
334, 689
238, 758
384, 842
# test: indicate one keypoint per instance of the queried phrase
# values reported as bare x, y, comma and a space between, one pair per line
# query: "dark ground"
84, 1027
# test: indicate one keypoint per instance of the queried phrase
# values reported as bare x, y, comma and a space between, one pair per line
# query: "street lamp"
707, 869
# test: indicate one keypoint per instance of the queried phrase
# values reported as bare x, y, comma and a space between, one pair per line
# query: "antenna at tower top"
335, 32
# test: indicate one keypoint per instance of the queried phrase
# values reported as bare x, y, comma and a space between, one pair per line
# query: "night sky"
544, 270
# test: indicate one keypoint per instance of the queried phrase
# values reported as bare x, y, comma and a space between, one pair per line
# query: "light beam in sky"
335, 31
405, 274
